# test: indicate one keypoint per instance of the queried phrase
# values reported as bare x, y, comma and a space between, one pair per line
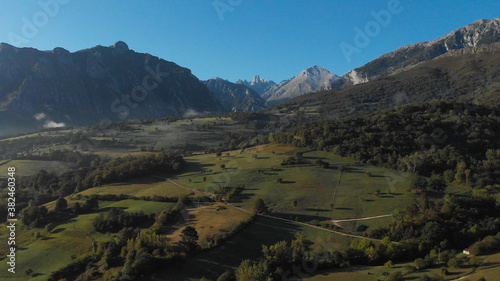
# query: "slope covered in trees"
457, 141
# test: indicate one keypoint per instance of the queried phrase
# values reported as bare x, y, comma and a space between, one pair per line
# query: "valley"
119, 165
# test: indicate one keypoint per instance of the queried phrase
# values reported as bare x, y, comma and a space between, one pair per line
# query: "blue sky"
236, 39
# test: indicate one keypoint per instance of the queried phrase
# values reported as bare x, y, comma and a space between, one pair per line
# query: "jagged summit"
259, 85
256, 80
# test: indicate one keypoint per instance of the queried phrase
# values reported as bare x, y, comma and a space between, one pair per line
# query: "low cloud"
190, 113
40, 116
52, 124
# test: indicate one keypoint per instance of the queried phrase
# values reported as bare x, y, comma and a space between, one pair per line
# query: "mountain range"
235, 97
468, 74
101, 84
40, 89
257, 84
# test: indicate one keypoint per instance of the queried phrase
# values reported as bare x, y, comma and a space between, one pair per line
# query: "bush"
395, 276
49, 227
259, 205
420, 264
453, 263
409, 269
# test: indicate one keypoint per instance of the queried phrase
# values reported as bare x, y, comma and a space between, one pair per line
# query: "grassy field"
67, 241
371, 224
146, 186
211, 219
312, 188
489, 269
247, 244
31, 167
345, 190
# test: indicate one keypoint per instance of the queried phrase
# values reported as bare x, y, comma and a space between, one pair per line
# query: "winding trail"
336, 222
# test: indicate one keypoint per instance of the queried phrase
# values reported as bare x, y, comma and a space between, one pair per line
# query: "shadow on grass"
316, 210
61, 229
196, 166
299, 217
47, 238
106, 209
378, 176
242, 197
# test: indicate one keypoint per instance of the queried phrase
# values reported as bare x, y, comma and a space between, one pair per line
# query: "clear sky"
235, 39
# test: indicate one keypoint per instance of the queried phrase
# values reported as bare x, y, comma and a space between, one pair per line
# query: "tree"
395, 276
420, 264
437, 184
49, 227
279, 254
189, 238
298, 248
418, 183
453, 262
61, 204
259, 206
371, 253
248, 272
389, 264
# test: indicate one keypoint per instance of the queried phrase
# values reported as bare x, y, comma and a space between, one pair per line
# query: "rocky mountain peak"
120, 48
314, 71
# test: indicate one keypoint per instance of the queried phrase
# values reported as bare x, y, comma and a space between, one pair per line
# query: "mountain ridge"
480, 32
235, 97
99, 84
466, 75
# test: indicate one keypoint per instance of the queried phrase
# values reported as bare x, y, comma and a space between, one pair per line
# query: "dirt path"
325, 229
336, 222
335, 194
216, 263
475, 271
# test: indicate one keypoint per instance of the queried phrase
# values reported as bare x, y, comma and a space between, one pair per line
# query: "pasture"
66, 241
